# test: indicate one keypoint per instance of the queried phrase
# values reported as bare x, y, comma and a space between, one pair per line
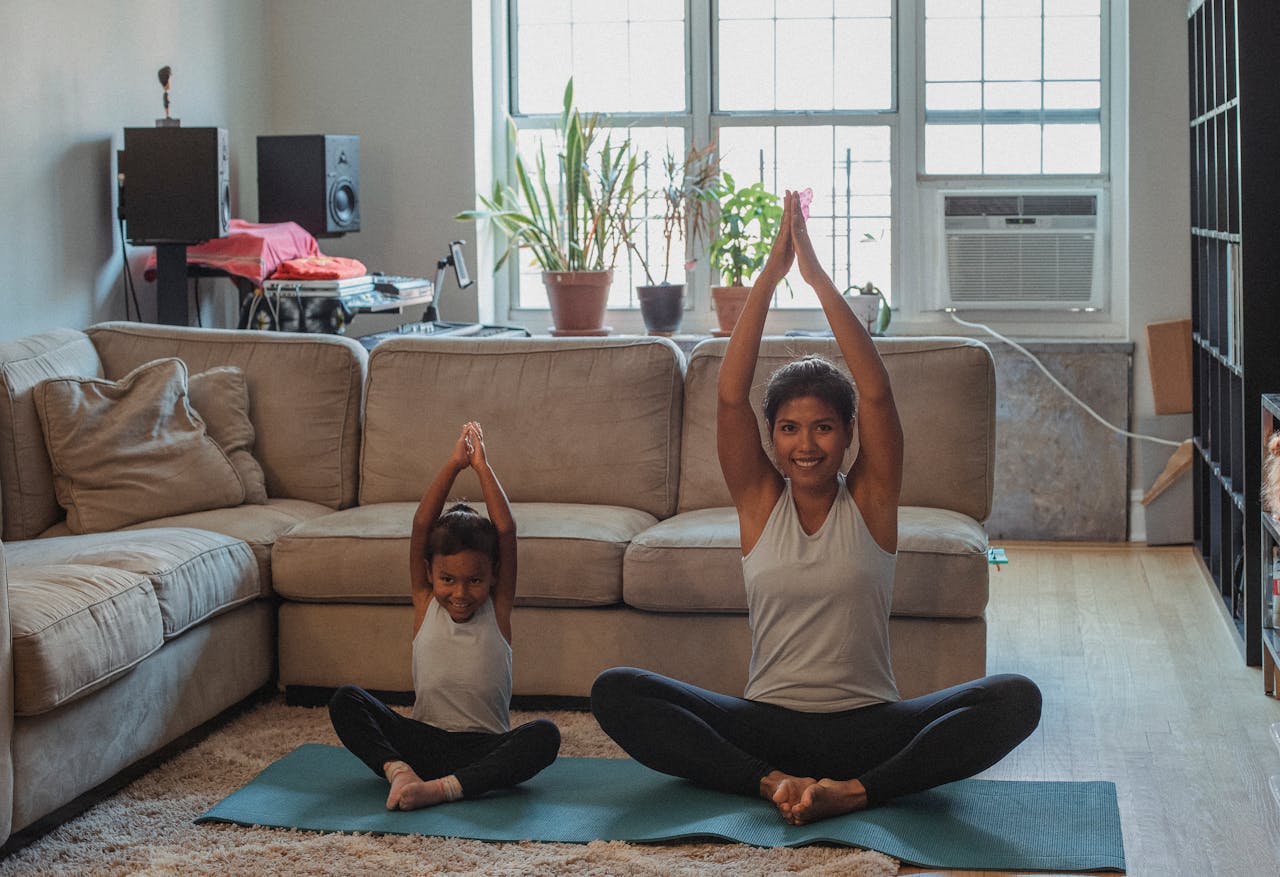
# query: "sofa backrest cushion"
566, 420
27, 499
946, 395
304, 396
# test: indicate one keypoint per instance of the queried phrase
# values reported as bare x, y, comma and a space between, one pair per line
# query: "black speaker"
310, 179
176, 184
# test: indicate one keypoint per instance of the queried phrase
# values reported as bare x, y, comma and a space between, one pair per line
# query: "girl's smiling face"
461, 583
809, 440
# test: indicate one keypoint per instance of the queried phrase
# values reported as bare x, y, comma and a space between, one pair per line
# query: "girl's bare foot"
422, 794
400, 780
828, 798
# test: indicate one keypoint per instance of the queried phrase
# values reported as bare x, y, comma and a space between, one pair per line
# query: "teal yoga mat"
971, 824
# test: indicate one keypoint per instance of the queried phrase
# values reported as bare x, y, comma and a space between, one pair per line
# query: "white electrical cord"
1096, 416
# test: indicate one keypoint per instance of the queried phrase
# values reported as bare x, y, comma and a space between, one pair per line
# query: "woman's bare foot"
785, 791
828, 798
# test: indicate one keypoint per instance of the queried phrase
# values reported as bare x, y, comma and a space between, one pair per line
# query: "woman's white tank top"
819, 611
462, 672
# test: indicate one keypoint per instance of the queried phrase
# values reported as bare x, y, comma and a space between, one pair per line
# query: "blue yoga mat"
971, 824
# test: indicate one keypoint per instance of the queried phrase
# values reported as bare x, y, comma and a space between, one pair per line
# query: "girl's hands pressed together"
783, 253
473, 435
810, 267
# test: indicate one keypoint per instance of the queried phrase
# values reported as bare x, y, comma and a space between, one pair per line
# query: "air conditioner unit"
1023, 250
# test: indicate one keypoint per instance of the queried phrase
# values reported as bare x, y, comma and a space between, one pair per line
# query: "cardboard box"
1169, 515
1169, 358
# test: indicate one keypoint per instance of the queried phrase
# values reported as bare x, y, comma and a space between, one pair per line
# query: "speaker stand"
171, 285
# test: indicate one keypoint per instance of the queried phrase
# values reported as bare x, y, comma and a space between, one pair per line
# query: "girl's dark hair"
462, 528
815, 376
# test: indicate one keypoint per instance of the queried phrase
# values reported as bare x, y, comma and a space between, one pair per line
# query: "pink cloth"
252, 250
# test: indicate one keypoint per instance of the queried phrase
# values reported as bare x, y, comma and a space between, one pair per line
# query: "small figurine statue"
165, 74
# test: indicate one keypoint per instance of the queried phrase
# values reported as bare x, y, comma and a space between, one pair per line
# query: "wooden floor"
1144, 685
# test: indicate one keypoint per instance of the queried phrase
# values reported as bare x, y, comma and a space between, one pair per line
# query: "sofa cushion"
946, 399
195, 573
221, 397
693, 563
304, 396
568, 555
588, 421
75, 629
256, 525
27, 497
131, 450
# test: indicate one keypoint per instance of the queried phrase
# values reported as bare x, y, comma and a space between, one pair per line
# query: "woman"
821, 729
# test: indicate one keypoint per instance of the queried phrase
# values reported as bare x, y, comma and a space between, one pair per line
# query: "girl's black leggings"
729, 743
482, 762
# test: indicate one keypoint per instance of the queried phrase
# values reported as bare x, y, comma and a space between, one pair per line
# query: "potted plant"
870, 306
573, 216
749, 220
689, 193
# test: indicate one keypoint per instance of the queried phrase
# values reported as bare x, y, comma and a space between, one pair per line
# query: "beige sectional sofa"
114, 644
628, 548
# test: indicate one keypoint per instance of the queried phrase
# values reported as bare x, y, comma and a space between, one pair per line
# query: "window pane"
618, 64
651, 144
953, 8
953, 149
953, 96
1072, 7
543, 67
1012, 48
864, 8
1072, 95
804, 9
864, 64
1007, 8
1072, 149
1072, 48
1012, 96
1011, 149
953, 49
849, 169
543, 11
657, 65
804, 64
745, 64
745, 9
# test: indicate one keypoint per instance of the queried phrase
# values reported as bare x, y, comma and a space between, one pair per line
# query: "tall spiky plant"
590, 221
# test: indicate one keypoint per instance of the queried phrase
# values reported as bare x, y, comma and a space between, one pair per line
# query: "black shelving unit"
1233, 61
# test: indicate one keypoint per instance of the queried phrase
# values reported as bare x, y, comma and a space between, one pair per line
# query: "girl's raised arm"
430, 507
499, 509
753, 481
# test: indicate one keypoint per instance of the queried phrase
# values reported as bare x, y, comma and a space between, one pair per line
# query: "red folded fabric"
320, 267
253, 250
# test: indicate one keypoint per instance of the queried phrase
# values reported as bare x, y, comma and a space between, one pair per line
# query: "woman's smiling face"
809, 440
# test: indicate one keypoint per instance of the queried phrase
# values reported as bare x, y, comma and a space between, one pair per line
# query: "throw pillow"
131, 450
221, 397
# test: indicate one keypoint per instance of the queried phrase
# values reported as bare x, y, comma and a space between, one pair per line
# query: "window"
817, 94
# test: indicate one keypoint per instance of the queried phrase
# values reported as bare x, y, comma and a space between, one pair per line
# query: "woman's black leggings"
729, 743
482, 762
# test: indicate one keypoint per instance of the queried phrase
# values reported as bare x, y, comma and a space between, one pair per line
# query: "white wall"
399, 74
76, 73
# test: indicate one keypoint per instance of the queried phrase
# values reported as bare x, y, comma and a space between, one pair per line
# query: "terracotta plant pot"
729, 302
578, 300
662, 307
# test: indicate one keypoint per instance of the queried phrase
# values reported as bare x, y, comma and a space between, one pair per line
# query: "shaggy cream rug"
146, 828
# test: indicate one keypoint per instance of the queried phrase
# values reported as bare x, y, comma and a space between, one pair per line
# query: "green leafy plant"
749, 220
690, 192
583, 225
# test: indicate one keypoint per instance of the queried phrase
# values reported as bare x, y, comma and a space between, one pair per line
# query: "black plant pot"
662, 307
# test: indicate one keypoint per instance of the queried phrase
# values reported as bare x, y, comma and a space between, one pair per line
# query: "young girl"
463, 573
821, 729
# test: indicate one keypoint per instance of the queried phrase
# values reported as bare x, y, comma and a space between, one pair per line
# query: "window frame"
914, 196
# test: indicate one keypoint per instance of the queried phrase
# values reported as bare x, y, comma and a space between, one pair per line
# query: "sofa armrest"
304, 396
